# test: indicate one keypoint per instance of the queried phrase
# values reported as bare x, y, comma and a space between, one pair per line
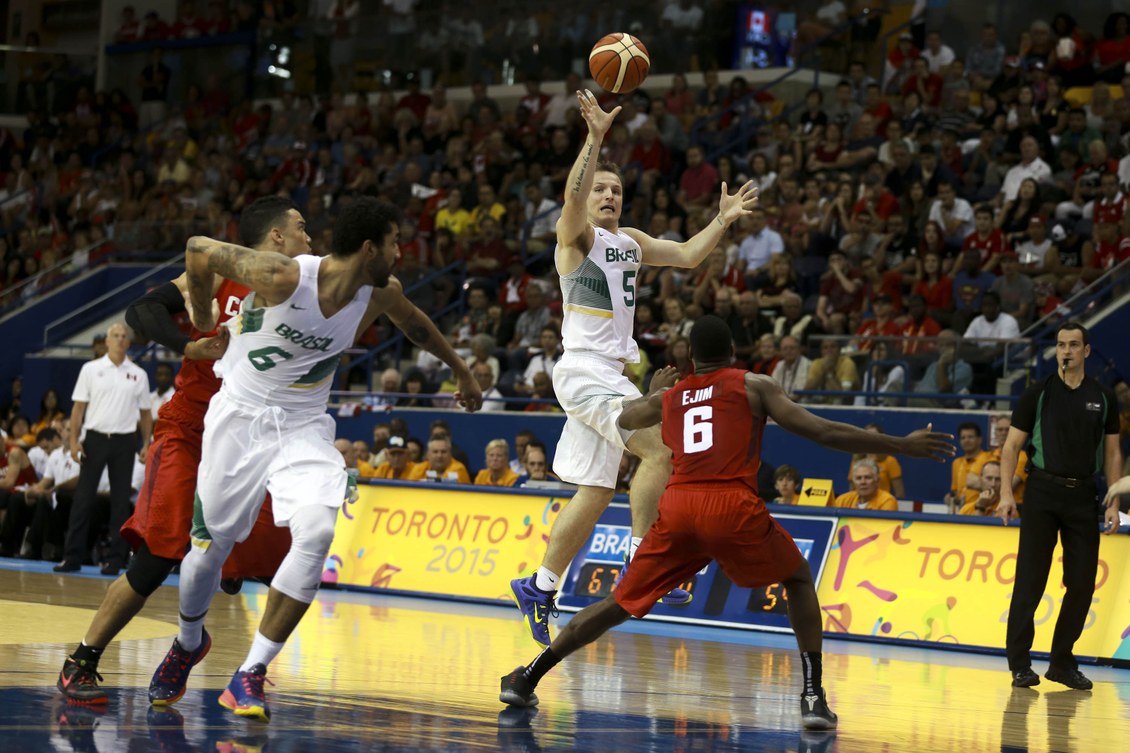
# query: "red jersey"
27, 475
1111, 211
994, 244
712, 433
1109, 255
197, 382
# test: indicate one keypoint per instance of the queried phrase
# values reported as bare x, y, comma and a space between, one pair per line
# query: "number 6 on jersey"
698, 431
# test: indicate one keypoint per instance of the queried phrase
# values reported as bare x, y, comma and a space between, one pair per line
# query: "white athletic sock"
263, 651
200, 574
546, 580
635, 545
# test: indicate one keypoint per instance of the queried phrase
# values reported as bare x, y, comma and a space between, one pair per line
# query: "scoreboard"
716, 600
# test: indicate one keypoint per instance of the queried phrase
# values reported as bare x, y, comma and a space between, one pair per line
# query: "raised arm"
767, 398
272, 276
691, 252
421, 330
573, 229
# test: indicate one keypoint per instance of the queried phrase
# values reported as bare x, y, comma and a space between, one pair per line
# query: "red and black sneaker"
79, 683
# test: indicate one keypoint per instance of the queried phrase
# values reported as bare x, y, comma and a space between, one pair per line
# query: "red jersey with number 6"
712, 433
196, 381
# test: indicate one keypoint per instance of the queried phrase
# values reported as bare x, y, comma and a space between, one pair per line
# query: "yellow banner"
951, 583
440, 541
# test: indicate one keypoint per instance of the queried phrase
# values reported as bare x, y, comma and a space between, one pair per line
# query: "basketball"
619, 62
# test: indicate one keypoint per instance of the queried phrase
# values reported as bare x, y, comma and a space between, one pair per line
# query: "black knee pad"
147, 571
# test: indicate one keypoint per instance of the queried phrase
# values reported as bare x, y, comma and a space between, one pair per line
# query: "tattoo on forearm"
585, 157
720, 223
244, 265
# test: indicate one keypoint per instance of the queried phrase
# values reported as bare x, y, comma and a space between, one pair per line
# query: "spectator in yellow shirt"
497, 472
990, 494
454, 217
890, 472
967, 469
1000, 432
832, 372
867, 494
439, 465
399, 464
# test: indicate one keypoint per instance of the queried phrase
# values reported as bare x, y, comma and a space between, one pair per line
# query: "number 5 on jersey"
698, 429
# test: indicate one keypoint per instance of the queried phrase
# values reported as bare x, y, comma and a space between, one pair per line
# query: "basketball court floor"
382, 673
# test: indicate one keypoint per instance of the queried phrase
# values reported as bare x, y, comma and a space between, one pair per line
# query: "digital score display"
598, 579
715, 598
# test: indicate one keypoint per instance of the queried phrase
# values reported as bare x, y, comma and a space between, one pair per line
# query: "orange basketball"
619, 62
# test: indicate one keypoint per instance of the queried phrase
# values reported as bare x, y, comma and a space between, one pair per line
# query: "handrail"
367, 400
46, 50
80, 311
955, 397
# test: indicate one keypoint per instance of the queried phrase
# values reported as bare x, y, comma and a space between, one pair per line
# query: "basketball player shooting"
711, 511
598, 262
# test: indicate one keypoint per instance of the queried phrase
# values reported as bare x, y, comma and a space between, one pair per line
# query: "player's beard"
379, 272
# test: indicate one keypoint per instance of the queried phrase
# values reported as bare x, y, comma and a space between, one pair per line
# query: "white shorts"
247, 450
592, 390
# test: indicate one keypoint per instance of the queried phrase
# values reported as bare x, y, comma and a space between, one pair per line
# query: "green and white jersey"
599, 298
286, 355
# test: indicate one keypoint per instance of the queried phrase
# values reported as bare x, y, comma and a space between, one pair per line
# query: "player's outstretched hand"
663, 379
209, 348
469, 396
598, 120
738, 204
930, 444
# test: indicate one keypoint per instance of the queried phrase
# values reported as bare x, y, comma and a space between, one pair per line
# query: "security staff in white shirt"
111, 395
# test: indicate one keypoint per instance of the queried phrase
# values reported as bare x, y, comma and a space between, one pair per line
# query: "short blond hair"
498, 444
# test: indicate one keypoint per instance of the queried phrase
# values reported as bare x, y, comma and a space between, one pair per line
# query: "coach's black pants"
116, 452
1072, 514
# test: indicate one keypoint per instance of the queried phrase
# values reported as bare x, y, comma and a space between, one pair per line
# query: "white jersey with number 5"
286, 355
599, 298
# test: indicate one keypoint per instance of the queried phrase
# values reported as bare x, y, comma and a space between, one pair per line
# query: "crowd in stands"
918, 215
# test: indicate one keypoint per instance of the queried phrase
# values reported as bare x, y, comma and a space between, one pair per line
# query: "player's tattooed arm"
272, 276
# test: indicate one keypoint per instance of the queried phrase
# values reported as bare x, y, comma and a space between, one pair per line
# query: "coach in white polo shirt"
111, 395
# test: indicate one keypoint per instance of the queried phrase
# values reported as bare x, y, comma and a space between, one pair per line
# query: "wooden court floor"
381, 673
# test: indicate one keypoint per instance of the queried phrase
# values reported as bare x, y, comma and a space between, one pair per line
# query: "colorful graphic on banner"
435, 541
951, 583
716, 599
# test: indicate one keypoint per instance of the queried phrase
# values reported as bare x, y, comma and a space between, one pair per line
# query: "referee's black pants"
115, 452
1072, 514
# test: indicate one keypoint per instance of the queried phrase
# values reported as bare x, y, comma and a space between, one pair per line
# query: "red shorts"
162, 517
698, 523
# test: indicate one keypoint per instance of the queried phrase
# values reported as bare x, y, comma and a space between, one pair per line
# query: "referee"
1072, 421
112, 395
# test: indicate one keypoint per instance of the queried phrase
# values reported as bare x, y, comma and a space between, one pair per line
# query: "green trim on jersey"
1038, 434
587, 286
199, 530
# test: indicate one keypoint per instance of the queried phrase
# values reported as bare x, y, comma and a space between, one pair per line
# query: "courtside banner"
438, 540
949, 583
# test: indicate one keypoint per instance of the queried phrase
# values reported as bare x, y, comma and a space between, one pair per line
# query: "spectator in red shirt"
880, 325
512, 294
535, 100
415, 100
878, 283
927, 85
767, 355
1110, 247
1113, 50
487, 255
188, 25
297, 167
876, 199
130, 29
875, 106
918, 324
989, 241
935, 286
841, 295
153, 28
650, 156
696, 186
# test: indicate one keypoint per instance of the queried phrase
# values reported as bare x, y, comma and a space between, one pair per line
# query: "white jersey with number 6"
286, 355
599, 298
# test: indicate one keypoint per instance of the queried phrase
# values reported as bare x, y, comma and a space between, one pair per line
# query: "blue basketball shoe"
537, 607
171, 678
244, 694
